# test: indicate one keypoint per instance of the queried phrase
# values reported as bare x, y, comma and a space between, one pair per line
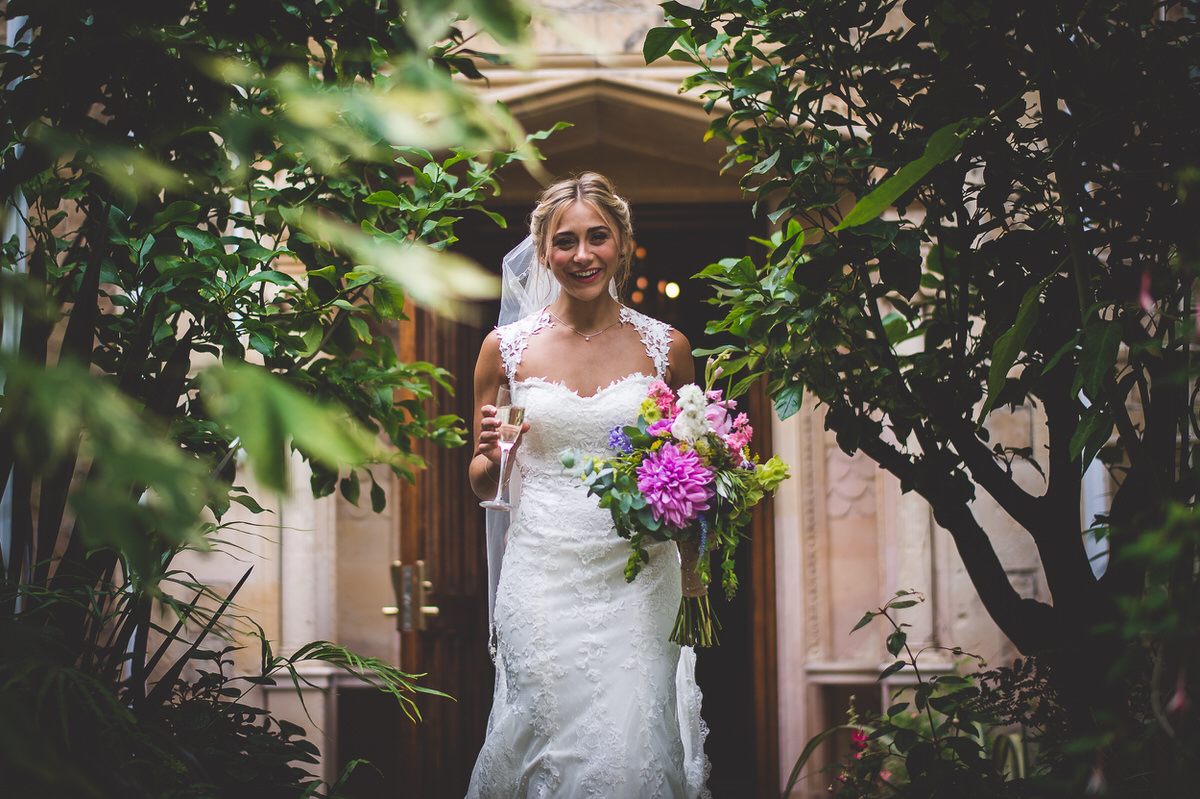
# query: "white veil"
525, 289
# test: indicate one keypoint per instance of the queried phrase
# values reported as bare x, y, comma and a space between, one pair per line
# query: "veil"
525, 289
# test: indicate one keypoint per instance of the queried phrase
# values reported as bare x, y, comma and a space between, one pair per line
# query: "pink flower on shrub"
675, 484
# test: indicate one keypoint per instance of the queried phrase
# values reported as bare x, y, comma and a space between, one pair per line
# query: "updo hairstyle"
595, 190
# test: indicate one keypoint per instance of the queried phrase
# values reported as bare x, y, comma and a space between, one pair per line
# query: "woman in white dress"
591, 698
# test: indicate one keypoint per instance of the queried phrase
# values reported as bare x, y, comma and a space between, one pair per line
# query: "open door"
441, 584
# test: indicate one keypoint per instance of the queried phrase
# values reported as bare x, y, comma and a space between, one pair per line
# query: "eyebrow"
605, 228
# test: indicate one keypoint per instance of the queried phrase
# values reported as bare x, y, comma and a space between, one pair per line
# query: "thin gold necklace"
585, 336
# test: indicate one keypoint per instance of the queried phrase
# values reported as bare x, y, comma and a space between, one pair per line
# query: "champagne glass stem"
500, 478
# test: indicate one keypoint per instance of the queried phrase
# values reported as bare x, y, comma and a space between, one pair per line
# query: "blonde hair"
598, 192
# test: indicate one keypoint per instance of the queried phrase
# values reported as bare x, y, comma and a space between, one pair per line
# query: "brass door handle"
411, 588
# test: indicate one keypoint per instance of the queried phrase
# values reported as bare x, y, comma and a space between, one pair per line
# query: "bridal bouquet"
683, 472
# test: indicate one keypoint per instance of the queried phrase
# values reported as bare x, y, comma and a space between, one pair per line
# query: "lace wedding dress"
591, 698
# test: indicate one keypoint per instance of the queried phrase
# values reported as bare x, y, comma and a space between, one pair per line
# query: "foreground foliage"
985, 208
933, 740
216, 215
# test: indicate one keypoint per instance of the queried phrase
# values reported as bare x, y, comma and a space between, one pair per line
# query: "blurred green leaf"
269, 417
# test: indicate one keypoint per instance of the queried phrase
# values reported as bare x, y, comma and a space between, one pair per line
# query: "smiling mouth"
586, 275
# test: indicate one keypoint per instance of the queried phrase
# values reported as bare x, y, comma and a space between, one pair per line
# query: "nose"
583, 253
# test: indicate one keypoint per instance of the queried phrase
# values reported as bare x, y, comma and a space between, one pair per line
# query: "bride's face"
584, 252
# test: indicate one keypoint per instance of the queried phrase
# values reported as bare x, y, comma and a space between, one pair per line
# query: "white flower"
691, 422
691, 398
686, 428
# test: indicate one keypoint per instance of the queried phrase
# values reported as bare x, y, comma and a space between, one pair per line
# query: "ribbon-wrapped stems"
695, 624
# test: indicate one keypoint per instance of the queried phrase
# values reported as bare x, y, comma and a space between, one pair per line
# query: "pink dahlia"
675, 484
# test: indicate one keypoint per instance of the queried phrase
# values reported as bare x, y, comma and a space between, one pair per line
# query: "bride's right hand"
489, 437
489, 434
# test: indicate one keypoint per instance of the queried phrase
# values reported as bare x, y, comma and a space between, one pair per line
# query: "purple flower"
675, 484
618, 441
660, 429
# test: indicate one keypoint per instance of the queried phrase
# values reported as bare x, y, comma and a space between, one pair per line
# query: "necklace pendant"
587, 338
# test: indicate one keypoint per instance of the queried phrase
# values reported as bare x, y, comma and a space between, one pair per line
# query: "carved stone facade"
847, 540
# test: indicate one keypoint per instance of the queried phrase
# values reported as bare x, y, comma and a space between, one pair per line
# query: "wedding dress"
591, 698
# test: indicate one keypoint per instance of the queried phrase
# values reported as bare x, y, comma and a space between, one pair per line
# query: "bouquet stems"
695, 624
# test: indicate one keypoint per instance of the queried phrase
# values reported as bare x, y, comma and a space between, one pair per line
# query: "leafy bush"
217, 215
936, 738
981, 206
70, 733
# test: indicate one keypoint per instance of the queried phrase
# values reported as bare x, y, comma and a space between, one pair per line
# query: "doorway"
442, 527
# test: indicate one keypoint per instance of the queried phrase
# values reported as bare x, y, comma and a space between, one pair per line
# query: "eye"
599, 237
564, 242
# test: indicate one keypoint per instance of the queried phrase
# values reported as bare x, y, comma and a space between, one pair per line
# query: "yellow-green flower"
772, 473
650, 411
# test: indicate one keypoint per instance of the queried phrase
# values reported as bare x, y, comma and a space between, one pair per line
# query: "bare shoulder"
681, 368
492, 340
489, 353
680, 346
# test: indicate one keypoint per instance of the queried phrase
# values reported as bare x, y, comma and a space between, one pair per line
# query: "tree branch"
1024, 508
1031, 626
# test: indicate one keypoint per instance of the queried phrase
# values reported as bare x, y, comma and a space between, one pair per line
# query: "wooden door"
442, 566
442, 583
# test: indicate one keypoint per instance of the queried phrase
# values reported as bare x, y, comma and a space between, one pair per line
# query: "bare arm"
484, 470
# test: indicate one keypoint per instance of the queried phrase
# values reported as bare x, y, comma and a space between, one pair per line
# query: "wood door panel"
442, 526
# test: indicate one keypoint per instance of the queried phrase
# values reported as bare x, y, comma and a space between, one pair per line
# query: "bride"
591, 698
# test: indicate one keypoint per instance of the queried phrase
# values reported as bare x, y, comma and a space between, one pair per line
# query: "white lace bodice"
656, 337
592, 700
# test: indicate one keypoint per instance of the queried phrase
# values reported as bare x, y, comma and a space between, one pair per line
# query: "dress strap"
656, 337
515, 336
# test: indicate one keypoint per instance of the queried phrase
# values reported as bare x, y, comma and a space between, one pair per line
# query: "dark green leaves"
189, 206
788, 401
1097, 358
1009, 346
659, 42
943, 144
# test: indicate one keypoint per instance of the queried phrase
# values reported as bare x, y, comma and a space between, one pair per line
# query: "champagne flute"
511, 418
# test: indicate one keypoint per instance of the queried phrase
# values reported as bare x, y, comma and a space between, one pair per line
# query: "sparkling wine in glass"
511, 418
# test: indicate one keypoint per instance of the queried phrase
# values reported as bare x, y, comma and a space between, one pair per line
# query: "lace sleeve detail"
514, 337
656, 336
